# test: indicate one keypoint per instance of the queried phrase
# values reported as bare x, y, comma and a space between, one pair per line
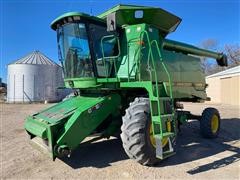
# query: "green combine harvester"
128, 79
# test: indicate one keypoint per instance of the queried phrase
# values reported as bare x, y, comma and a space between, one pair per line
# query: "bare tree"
210, 44
231, 50
233, 54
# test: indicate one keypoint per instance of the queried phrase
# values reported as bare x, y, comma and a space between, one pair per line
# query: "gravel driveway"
196, 157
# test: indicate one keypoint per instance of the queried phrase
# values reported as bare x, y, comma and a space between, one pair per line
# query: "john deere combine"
127, 78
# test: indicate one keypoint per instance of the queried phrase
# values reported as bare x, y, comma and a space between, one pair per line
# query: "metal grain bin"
34, 78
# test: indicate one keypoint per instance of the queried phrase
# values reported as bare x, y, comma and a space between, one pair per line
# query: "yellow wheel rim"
214, 123
152, 138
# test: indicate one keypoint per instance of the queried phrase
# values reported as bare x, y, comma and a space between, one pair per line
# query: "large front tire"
136, 132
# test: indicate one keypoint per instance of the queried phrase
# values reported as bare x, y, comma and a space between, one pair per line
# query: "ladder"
158, 102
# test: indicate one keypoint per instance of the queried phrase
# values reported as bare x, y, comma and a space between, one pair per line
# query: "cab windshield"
74, 52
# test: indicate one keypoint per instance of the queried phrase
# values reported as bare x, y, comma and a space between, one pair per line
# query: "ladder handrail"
167, 72
164, 66
150, 44
149, 54
152, 65
156, 78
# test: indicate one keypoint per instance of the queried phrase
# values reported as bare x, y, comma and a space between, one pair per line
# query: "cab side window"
104, 67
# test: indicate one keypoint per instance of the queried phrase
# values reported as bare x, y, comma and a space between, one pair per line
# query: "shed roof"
35, 57
231, 71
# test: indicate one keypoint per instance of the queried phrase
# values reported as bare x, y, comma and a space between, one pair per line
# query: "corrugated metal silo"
34, 78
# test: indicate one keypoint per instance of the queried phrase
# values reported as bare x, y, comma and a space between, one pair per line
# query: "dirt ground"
196, 158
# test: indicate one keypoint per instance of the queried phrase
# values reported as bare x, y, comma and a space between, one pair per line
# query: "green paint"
145, 61
162, 20
78, 115
37, 128
84, 122
80, 82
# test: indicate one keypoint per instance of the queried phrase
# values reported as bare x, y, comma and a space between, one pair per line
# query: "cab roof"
73, 16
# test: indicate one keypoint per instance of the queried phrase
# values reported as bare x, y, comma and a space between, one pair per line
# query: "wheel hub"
214, 123
152, 138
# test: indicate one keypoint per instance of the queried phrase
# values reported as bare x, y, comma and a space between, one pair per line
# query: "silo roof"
35, 57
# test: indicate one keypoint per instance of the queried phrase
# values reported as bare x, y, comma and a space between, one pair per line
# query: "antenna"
91, 8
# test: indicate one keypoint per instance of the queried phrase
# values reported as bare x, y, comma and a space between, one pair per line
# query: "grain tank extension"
128, 79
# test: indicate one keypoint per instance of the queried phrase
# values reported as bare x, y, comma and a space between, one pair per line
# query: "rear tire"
135, 132
210, 123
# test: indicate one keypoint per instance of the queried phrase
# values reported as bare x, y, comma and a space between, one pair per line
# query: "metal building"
34, 78
224, 86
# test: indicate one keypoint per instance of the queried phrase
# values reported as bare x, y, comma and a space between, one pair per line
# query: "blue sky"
25, 24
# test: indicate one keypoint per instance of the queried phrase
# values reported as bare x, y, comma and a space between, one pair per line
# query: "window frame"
93, 55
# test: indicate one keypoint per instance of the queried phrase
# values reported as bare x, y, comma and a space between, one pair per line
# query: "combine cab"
128, 79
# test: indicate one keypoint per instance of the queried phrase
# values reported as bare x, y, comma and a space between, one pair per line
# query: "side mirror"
111, 22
